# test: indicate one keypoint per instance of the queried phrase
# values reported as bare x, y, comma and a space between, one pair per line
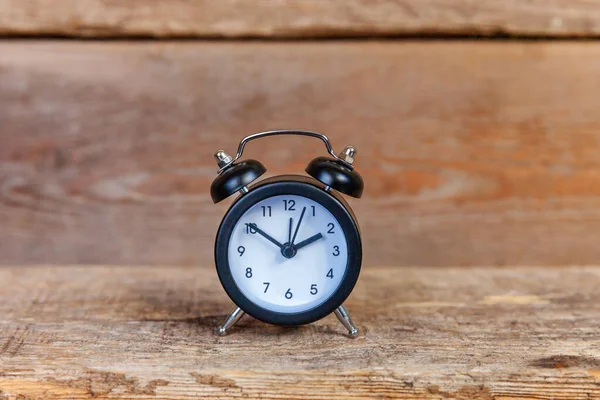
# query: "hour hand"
308, 241
253, 227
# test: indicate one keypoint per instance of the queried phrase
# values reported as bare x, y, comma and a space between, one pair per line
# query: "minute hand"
266, 236
308, 241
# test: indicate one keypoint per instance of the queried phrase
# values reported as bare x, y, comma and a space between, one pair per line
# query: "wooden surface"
298, 18
427, 333
472, 153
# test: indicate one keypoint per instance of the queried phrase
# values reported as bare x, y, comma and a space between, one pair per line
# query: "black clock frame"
311, 189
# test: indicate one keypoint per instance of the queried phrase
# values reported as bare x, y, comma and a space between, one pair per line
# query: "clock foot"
233, 317
342, 314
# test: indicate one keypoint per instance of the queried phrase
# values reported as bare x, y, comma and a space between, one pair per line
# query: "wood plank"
298, 18
472, 153
428, 333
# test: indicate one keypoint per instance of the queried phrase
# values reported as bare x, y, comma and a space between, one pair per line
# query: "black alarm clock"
288, 251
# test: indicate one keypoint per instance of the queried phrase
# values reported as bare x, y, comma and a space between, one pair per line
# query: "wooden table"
428, 333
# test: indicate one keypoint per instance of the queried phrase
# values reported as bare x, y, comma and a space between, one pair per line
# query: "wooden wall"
275, 19
473, 152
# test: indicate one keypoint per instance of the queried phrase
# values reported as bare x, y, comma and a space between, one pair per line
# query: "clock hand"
290, 231
298, 226
308, 241
265, 235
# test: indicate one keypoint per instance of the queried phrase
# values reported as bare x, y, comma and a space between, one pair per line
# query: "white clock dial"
283, 267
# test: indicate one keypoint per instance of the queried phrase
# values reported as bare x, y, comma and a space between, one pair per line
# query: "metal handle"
258, 135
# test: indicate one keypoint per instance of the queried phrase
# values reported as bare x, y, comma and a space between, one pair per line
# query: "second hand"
298, 226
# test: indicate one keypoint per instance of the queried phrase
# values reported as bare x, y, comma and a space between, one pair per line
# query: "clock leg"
342, 314
233, 317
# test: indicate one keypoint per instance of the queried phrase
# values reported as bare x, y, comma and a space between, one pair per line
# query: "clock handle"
259, 135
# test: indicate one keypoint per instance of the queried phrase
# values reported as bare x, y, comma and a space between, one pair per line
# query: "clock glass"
287, 254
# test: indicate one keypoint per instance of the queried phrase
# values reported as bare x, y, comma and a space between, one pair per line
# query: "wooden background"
474, 152
274, 19
478, 129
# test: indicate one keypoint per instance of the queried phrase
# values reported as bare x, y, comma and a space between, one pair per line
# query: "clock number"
336, 251
314, 211
250, 228
241, 250
289, 205
330, 273
266, 210
330, 226
313, 289
248, 272
266, 286
288, 294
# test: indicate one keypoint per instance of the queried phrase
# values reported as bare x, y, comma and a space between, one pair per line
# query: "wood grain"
298, 18
428, 333
472, 153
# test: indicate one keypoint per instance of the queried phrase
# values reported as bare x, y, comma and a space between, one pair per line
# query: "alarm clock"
288, 251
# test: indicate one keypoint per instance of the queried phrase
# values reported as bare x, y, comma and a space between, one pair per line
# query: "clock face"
287, 253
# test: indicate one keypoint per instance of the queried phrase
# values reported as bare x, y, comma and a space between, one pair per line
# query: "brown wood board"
472, 153
427, 333
298, 18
